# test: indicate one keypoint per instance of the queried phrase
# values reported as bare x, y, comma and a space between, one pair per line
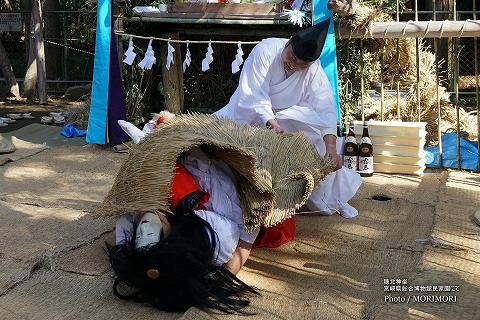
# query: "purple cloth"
116, 97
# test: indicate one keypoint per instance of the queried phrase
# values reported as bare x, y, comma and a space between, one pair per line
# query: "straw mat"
275, 173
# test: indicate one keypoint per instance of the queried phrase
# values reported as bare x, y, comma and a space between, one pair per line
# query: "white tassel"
149, 60
208, 57
296, 17
188, 59
129, 54
170, 51
238, 59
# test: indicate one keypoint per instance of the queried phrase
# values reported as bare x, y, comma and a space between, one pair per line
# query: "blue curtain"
328, 58
97, 121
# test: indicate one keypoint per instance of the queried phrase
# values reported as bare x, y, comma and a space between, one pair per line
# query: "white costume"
301, 101
223, 211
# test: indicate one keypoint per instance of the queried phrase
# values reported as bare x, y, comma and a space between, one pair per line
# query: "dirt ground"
53, 265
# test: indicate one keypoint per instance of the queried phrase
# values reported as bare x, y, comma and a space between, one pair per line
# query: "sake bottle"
350, 157
365, 154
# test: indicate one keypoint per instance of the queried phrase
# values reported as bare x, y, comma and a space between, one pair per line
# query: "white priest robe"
302, 101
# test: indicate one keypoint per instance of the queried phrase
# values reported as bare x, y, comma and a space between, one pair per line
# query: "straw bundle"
364, 16
275, 173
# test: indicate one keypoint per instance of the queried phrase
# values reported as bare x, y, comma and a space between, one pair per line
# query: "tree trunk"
7, 71
8, 6
53, 53
39, 51
30, 81
6, 66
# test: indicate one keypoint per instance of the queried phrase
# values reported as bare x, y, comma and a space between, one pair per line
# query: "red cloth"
277, 235
183, 184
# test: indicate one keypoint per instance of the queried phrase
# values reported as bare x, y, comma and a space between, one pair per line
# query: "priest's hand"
335, 158
331, 150
273, 125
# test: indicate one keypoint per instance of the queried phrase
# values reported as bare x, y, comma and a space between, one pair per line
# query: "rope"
441, 28
71, 48
386, 30
463, 27
405, 28
428, 29
126, 35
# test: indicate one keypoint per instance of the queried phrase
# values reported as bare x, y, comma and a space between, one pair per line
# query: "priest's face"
292, 63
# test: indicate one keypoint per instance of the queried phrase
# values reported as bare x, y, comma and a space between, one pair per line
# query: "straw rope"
275, 173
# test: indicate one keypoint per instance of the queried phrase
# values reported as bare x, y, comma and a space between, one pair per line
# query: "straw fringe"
275, 173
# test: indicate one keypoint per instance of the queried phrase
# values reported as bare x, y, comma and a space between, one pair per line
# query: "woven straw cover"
275, 173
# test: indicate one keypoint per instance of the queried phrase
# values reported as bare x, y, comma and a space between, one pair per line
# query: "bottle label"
350, 139
365, 164
366, 140
350, 162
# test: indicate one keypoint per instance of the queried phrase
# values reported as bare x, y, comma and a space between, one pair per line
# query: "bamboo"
439, 111
477, 92
456, 71
397, 76
362, 83
412, 29
382, 86
417, 51
65, 46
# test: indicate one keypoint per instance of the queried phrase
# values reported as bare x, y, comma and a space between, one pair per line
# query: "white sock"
133, 132
347, 211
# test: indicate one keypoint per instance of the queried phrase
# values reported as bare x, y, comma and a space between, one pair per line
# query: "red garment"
183, 184
161, 119
277, 235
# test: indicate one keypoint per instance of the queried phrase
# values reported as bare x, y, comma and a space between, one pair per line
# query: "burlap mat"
276, 173
23, 149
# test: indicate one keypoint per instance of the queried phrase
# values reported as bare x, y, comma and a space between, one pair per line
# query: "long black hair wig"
178, 272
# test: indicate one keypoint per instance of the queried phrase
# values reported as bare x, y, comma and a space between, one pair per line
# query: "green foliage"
137, 86
350, 58
76, 5
387, 5
350, 63
157, 3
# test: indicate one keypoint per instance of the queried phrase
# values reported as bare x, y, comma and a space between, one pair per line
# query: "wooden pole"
413, 29
173, 78
39, 51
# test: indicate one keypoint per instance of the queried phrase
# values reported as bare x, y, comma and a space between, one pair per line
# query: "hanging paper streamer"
97, 119
328, 58
238, 59
208, 58
149, 60
129, 54
188, 59
170, 51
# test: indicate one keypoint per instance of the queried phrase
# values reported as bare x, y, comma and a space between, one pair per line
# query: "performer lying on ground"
189, 258
283, 87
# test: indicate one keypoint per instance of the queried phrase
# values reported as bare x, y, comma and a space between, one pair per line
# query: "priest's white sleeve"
254, 106
320, 99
